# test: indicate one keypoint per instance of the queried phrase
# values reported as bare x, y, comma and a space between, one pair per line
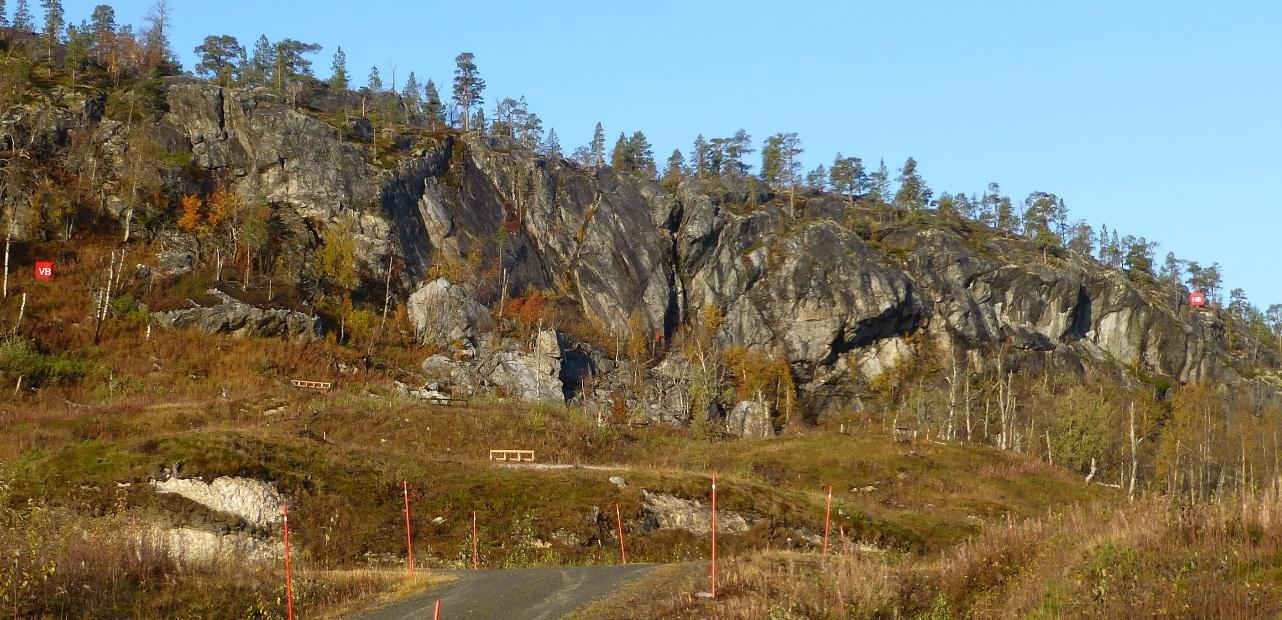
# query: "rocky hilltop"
839, 292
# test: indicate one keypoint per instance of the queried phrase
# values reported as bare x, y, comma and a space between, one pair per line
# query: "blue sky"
1159, 118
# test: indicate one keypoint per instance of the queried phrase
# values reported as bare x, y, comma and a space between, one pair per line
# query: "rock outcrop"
231, 316
663, 511
255, 501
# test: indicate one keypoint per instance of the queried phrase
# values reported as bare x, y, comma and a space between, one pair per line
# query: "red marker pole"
476, 561
436, 611
714, 536
827, 519
409, 542
623, 550
289, 586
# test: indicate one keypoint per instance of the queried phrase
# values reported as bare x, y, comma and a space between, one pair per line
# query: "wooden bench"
311, 385
509, 456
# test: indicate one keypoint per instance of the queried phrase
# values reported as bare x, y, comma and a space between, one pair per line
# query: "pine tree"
433, 108
817, 179
736, 150
292, 62
1171, 269
54, 21
988, 204
913, 194
77, 50
1081, 239
338, 77
22, 19
846, 175
103, 26
1040, 214
597, 146
4, 15
375, 82
219, 56
780, 166
468, 87
1005, 216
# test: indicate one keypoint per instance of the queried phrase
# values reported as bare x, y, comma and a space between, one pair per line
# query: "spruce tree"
262, 63
338, 77
621, 158
468, 87
551, 146
878, 189
375, 81
409, 95
642, 153
22, 19
4, 15
674, 171
433, 108
699, 157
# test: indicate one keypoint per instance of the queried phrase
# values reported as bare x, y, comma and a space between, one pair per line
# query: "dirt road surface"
543, 593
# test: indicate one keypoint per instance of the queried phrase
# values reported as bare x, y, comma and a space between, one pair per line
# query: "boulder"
750, 419
445, 314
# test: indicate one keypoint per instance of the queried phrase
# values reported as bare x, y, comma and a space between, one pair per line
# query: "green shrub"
20, 358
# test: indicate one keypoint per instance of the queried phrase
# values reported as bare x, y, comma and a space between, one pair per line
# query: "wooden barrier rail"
519, 456
313, 385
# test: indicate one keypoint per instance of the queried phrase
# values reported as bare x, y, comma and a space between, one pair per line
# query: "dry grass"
59, 565
1147, 560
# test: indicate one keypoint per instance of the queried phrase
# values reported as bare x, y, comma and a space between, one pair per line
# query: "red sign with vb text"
44, 270
1197, 299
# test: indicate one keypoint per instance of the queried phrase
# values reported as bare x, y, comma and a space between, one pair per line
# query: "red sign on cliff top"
1197, 299
44, 270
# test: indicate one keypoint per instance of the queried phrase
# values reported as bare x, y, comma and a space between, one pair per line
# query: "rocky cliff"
841, 293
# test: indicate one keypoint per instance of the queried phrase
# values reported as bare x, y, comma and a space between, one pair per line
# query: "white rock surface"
255, 501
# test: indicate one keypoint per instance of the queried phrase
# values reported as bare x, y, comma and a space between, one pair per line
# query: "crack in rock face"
255, 501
